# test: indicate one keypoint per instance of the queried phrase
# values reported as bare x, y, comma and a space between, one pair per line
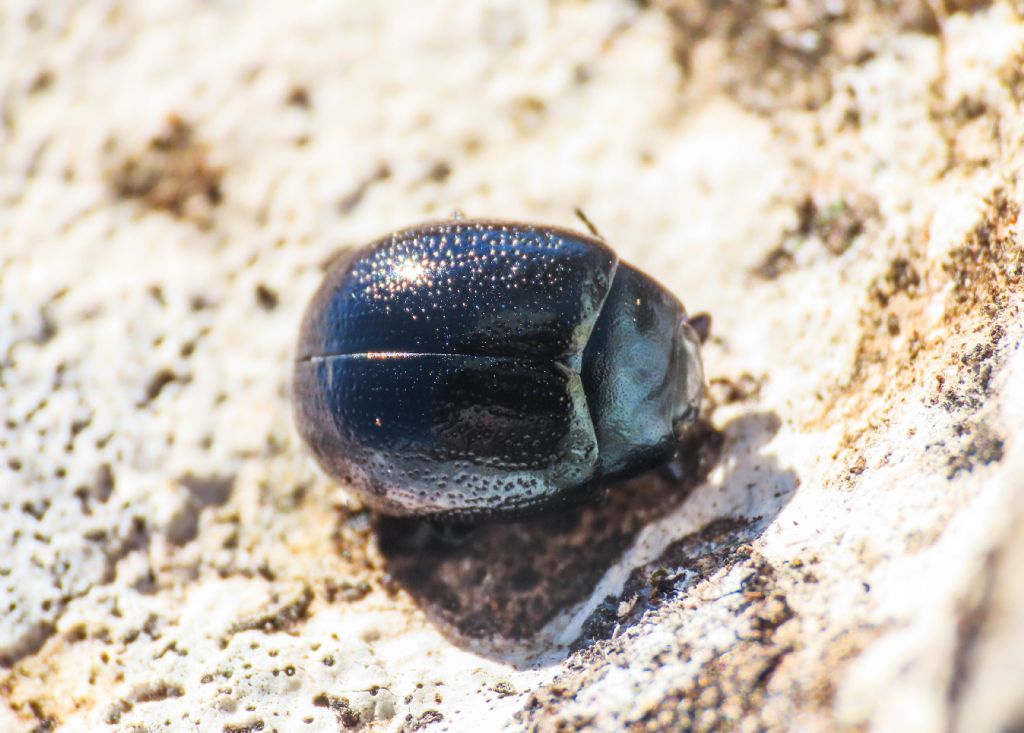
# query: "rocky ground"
837, 183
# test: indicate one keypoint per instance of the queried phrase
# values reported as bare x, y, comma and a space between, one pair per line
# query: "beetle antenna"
587, 223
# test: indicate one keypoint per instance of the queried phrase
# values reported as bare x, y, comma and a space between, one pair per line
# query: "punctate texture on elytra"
481, 370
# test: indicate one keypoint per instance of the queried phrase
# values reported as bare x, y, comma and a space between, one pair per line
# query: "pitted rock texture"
837, 183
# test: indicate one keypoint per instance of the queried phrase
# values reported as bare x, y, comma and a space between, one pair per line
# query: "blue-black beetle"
472, 369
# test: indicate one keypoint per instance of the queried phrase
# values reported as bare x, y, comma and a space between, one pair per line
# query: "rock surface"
837, 183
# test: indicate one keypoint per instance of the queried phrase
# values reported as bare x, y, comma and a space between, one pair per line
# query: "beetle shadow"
493, 587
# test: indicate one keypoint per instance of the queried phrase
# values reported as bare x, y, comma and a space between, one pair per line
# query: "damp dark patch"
171, 173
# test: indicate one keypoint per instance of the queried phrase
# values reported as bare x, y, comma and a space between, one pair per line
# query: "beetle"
472, 370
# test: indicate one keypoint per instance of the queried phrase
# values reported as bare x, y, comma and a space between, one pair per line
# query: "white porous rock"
839, 184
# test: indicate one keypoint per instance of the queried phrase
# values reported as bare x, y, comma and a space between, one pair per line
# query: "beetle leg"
701, 324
